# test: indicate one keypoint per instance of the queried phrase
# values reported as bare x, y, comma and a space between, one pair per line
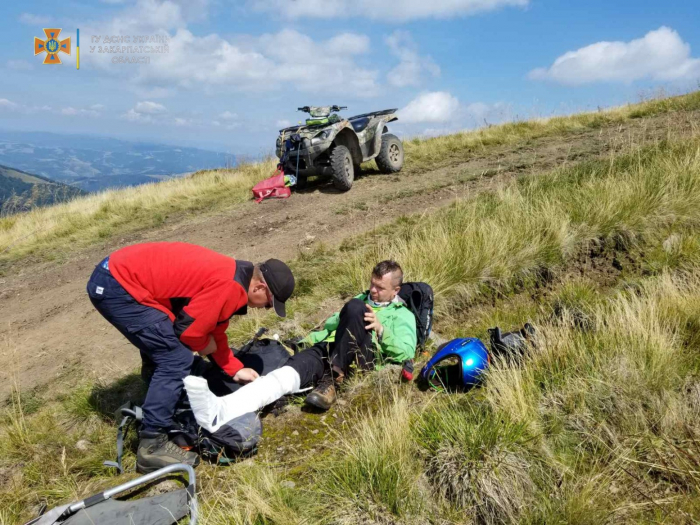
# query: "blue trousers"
151, 331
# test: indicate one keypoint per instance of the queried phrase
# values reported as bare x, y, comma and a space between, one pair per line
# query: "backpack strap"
131, 414
246, 348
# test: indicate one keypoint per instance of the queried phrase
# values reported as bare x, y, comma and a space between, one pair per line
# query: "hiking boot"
157, 451
324, 395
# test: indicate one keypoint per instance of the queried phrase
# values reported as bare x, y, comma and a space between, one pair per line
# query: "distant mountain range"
21, 191
96, 163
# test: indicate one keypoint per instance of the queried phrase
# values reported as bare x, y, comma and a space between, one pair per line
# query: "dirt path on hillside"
48, 326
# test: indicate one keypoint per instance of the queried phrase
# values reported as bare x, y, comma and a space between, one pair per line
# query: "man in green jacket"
372, 328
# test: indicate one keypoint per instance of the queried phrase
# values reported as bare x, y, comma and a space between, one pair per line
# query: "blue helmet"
472, 359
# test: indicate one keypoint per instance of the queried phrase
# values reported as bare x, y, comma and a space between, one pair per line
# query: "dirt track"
48, 325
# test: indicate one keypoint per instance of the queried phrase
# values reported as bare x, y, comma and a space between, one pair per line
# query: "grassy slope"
84, 221
23, 176
21, 191
599, 424
46, 232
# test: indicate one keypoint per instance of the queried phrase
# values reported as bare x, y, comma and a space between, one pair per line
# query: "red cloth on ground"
271, 188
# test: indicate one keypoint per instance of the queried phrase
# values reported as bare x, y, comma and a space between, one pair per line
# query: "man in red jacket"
171, 300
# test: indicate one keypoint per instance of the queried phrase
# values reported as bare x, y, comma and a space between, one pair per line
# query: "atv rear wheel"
390, 158
342, 167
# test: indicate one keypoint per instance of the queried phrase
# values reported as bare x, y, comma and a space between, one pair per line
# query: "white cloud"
387, 10
20, 65
153, 113
438, 106
34, 20
71, 112
267, 62
144, 111
441, 113
348, 44
8, 105
68, 111
284, 123
262, 63
227, 115
149, 107
135, 116
412, 67
659, 55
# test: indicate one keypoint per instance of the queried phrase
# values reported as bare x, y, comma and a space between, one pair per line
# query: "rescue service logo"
51, 46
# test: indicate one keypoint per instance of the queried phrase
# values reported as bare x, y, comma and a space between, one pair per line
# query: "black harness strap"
131, 414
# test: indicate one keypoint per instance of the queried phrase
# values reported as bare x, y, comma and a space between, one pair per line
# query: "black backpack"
419, 299
262, 355
236, 438
511, 344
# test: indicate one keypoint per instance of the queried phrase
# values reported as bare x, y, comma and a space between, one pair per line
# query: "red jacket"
199, 289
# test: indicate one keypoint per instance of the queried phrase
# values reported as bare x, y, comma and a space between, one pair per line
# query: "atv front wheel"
342, 168
390, 158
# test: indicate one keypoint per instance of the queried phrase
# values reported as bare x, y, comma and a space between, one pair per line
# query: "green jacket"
399, 340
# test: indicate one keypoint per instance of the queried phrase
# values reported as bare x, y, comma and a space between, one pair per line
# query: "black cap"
280, 281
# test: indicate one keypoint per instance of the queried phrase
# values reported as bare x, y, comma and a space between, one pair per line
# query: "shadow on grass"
105, 400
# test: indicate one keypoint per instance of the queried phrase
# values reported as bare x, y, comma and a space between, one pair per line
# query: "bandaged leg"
212, 412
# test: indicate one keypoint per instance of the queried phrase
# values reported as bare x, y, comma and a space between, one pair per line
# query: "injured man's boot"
325, 394
211, 412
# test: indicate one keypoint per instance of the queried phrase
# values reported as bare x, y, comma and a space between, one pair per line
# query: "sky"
234, 72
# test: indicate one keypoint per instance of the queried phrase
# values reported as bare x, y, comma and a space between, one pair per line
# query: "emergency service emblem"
51, 46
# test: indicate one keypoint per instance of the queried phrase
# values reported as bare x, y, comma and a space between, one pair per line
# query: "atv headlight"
320, 137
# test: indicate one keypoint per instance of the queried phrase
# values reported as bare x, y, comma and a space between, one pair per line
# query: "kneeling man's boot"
157, 451
325, 395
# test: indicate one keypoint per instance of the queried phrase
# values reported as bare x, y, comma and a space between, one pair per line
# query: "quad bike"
332, 146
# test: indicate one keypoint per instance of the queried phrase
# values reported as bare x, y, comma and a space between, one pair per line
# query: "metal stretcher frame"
72, 509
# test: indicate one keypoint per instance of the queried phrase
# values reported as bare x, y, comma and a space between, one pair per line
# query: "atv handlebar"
306, 109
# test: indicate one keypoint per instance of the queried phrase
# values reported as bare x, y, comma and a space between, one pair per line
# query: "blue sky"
235, 72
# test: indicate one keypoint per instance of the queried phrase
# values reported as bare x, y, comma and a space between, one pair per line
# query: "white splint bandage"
211, 412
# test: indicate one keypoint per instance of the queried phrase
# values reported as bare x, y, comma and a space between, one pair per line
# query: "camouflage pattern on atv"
329, 145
